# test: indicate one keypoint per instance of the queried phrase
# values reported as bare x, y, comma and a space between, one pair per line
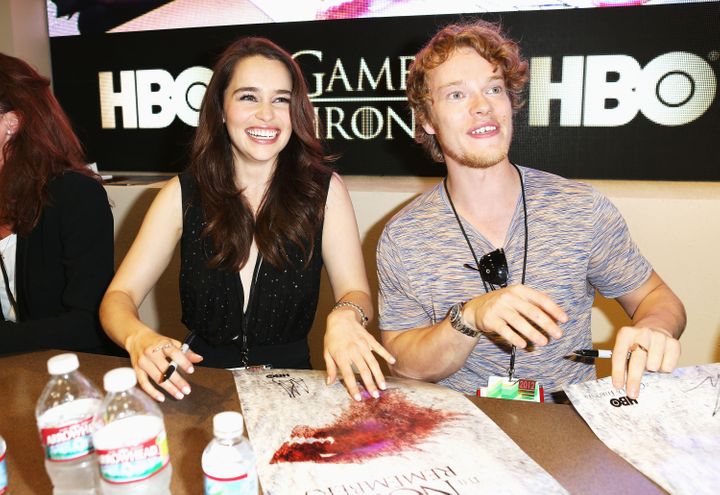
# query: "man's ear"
427, 125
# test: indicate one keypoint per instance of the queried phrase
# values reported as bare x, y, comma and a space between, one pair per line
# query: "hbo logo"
622, 401
151, 99
609, 90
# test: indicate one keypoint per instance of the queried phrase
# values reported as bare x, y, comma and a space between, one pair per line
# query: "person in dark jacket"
56, 227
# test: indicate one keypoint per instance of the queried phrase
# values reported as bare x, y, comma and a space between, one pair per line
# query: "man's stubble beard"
478, 161
485, 160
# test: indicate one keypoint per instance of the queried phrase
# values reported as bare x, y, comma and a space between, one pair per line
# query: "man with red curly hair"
543, 242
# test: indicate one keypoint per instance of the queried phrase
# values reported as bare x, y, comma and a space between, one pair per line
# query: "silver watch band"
456, 321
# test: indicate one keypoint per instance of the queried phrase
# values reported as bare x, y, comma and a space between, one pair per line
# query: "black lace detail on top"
283, 303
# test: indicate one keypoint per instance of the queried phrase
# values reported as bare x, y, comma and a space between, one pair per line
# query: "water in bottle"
3, 468
64, 416
130, 439
228, 461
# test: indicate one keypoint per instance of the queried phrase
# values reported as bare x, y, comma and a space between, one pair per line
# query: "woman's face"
256, 109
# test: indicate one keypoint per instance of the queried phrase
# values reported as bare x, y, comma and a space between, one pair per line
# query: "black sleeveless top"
281, 307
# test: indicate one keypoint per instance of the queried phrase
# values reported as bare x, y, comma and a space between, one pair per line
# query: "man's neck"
483, 187
486, 198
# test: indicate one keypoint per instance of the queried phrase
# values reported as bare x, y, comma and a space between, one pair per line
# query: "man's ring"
637, 346
161, 347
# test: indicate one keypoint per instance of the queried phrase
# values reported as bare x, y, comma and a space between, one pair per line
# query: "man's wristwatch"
456, 321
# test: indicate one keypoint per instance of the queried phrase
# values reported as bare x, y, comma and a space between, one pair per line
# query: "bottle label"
69, 442
3, 475
135, 463
245, 484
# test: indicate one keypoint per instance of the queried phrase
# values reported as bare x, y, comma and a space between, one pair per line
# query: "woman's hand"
349, 347
150, 355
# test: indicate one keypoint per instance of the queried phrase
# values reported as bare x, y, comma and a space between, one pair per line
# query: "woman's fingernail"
376, 394
186, 390
191, 370
357, 397
179, 396
160, 398
383, 385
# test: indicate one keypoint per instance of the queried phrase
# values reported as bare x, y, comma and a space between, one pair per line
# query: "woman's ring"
162, 347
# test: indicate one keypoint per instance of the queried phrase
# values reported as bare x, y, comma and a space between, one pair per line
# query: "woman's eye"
495, 90
247, 97
455, 95
282, 99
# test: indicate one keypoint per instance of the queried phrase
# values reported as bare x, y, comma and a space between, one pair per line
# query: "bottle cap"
63, 364
119, 380
228, 424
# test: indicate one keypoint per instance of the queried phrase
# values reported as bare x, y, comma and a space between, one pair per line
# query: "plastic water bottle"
64, 416
130, 439
228, 461
3, 468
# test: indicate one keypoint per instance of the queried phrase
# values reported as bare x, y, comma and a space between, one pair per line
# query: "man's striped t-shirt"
577, 243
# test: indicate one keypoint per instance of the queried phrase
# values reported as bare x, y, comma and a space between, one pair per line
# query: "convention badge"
500, 387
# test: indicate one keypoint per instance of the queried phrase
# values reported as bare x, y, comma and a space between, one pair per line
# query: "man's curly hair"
488, 41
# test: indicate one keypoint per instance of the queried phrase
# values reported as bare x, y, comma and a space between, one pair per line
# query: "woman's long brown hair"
44, 145
293, 206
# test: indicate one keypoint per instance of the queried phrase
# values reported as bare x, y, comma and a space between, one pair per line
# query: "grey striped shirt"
577, 242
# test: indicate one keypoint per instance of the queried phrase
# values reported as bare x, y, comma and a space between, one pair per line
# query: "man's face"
470, 111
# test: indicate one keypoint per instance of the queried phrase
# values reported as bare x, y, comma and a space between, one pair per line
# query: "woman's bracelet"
356, 307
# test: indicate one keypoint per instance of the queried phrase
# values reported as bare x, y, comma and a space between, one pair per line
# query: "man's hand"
651, 349
518, 314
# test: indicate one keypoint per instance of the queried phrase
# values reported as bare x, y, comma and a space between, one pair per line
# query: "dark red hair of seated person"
43, 146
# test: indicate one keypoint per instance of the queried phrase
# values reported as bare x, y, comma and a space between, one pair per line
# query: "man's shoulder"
421, 212
550, 186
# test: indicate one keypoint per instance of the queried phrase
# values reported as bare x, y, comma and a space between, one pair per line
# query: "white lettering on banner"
339, 73
151, 98
593, 91
609, 90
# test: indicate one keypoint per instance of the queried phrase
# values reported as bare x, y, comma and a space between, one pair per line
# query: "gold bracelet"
356, 307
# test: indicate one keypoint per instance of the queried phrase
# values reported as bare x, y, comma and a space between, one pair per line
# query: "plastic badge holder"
518, 389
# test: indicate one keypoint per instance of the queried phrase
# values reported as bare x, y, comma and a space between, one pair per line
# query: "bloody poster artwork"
313, 439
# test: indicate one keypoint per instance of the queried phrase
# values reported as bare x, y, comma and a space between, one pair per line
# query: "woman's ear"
12, 122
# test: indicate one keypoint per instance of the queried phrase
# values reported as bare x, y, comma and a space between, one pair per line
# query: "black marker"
595, 353
173, 365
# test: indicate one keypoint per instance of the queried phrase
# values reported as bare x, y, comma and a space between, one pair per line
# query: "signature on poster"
714, 383
295, 387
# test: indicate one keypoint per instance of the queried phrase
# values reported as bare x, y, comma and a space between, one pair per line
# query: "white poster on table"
671, 432
313, 439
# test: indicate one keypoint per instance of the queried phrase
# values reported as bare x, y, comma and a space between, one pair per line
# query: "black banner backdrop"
622, 93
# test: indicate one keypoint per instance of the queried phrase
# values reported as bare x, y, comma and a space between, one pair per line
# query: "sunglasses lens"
494, 269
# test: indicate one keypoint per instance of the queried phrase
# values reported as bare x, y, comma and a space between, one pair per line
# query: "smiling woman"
257, 214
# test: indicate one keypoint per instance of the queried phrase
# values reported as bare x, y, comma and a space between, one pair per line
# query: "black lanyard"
9, 293
511, 370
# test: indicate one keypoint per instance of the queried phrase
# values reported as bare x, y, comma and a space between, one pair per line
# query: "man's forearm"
661, 310
428, 353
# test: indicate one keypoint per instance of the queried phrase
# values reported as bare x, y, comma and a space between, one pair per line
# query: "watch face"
456, 314
456, 322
